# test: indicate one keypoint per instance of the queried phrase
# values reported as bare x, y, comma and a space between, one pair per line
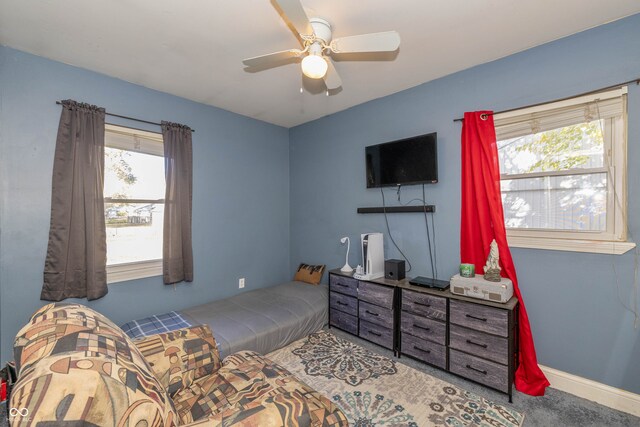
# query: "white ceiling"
194, 48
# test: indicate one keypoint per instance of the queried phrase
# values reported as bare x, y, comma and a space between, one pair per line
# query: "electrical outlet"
241, 283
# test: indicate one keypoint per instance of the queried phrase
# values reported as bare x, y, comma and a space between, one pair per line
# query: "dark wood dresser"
472, 338
366, 309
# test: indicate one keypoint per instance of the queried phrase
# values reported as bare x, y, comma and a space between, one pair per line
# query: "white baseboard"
603, 394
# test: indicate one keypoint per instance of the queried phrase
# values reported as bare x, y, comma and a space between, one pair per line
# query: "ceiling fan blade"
332, 78
387, 41
295, 13
270, 58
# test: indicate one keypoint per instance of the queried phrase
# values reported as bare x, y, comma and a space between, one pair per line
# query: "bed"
261, 320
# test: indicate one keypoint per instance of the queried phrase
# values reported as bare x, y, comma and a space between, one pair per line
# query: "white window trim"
141, 269
593, 242
571, 245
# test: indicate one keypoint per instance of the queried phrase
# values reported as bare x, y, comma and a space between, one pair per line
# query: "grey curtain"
75, 266
177, 252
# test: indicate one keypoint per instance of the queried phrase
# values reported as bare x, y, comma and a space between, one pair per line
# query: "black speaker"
394, 269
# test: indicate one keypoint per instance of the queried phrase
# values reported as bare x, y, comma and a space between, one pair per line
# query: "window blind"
559, 114
135, 140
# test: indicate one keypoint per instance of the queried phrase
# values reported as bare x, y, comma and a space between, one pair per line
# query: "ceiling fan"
318, 45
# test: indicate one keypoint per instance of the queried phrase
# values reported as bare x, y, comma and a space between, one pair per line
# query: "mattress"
265, 319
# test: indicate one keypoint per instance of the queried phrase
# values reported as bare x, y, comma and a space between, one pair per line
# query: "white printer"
477, 287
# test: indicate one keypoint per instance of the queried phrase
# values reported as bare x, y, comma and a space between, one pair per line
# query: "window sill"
571, 245
134, 270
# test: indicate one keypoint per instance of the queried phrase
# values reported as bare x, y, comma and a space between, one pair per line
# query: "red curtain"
483, 221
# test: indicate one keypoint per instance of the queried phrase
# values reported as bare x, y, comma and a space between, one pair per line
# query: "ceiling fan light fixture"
314, 66
316, 37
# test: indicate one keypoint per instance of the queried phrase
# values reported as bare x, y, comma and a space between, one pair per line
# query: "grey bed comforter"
264, 319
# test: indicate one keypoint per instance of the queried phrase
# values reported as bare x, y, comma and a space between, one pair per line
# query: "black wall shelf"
397, 209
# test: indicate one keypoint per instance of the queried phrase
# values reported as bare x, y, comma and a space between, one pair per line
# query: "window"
134, 190
563, 178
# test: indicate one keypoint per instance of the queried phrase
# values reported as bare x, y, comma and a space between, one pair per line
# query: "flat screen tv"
407, 161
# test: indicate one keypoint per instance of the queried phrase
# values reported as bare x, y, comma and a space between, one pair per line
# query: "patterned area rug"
374, 390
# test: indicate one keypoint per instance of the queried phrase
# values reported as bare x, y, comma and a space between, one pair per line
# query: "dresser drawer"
374, 314
424, 304
376, 333
344, 321
424, 350
479, 317
344, 285
343, 303
423, 327
479, 344
376, 294
488, 373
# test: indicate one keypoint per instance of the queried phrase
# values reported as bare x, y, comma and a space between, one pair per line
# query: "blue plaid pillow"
155, 325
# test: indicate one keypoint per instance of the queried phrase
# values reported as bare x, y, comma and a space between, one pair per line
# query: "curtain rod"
636, 81
130, 118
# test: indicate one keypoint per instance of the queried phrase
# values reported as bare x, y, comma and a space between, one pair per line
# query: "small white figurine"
492, 267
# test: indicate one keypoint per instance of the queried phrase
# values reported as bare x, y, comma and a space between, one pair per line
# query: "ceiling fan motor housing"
322, 29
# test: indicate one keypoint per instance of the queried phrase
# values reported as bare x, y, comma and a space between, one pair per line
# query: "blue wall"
578, 322
240, 191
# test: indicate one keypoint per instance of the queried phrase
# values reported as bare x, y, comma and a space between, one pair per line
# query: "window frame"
614, 239
139, 269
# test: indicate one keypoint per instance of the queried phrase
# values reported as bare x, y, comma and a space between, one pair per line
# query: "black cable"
435, 248
386, 220
426, 222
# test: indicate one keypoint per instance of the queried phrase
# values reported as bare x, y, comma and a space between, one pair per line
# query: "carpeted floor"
554, 409
373, 389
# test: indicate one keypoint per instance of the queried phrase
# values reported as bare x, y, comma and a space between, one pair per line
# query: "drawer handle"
342, 285
482, 319
475, 343
422, 304
477, 370
375, 333
371, 313
421, 349
421, 327
342, 303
